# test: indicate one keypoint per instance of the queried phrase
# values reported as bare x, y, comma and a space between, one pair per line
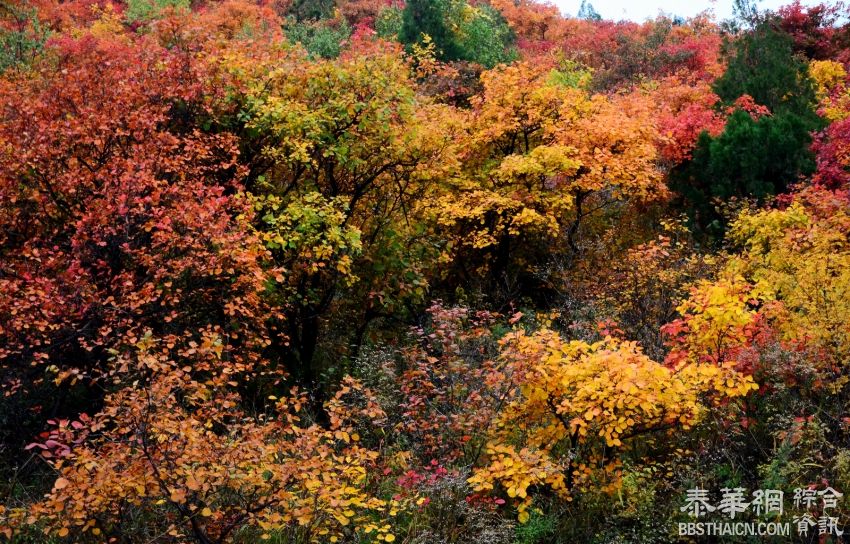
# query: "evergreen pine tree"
587, 12
429, 17
754, 157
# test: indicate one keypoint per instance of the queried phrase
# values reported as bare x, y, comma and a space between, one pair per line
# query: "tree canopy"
454, 271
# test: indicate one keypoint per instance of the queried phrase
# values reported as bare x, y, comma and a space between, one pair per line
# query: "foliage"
688, 110
143, 11
643, 288
112, 224
830, 144
775, 311
756, 155
361, 271
581, 406
459, 31
587, 11
22, 35
752, 157
540, 159
311, 10
388, 23
804, 279
422, 18
324, 38
451, 387
814, 29
485, 38
177, 451
366, 12
789, 281
339, 150
763, 66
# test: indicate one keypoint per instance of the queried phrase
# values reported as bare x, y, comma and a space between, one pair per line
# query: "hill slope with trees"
426, 272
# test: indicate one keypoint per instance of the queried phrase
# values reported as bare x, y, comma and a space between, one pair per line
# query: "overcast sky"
638, 10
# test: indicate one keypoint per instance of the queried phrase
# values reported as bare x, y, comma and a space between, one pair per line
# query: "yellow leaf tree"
580, 408
541, 158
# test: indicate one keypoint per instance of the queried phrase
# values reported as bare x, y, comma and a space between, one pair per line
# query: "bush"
142, 11
322, 39
459, 31
388, 23
24, 40
756, 155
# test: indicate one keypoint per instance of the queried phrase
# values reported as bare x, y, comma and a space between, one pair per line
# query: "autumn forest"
424, 272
